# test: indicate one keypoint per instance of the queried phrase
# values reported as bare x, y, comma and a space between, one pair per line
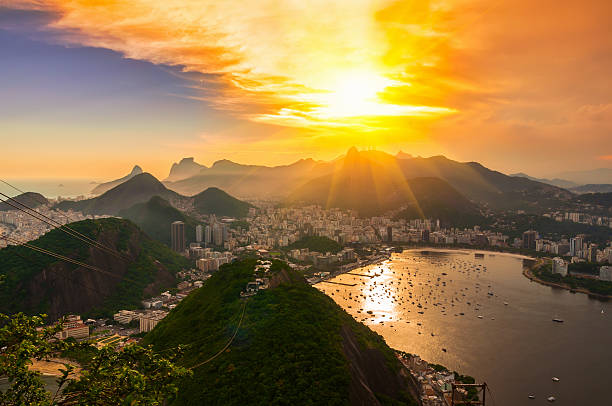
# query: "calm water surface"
515, 347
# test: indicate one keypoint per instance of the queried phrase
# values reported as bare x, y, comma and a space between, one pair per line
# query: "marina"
479, 315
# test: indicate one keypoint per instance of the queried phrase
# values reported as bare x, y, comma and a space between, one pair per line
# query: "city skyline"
153, 82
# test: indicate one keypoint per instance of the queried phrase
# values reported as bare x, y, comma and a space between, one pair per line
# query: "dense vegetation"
316, 243
135, 375
598, 199
596, 286
155, 217
287, 350
35, 282
215, 201
584, 267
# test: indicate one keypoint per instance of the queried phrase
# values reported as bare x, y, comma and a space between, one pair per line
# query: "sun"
353, 94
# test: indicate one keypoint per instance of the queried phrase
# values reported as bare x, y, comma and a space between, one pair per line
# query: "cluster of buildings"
323, 260
210, 261
582, 218
147, 319
276, 227
262, 268
73, 327
435, 387
578, 248
215, 233
23, 227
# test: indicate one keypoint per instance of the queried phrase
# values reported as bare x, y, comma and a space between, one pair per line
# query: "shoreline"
383, 258
529, 275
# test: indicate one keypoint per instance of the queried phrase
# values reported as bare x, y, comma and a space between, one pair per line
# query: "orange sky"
517, 85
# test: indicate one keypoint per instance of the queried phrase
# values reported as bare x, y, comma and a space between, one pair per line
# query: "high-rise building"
177, 234
217, 234
389, 234
576, 246
207, 235
592, 253
199, 233
529, 239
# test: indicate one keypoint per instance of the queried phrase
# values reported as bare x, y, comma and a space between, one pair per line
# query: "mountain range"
591, 176
480, 185
566, 184
372, 186
106, 186
141, 188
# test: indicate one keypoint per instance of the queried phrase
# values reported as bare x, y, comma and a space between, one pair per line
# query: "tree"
134, 375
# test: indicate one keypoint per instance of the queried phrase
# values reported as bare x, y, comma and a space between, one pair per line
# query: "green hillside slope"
216, 201
35, 282
155, 216
293, 345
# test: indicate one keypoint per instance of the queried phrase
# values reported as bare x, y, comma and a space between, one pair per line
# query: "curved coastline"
528, 274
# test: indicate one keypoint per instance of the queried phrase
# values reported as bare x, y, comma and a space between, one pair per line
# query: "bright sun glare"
353, 94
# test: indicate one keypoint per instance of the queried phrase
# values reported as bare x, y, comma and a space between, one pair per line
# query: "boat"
505, 303
531, 396
551, 398
480, 317
555, 379
557, 320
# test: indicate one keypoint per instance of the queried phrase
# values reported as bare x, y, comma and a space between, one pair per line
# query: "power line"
64, 258
56, 255
191, 344
228, 343
66, 229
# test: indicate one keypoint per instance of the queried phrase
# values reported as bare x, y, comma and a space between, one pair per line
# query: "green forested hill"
293, 346
155, 216
215, 201
35, 282
315, 243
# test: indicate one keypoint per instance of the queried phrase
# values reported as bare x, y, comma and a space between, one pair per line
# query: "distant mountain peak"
185, 168
106, 186
403, 155
353, 151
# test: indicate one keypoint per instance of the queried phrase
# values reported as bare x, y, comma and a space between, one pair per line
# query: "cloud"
505, 79
267, 61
